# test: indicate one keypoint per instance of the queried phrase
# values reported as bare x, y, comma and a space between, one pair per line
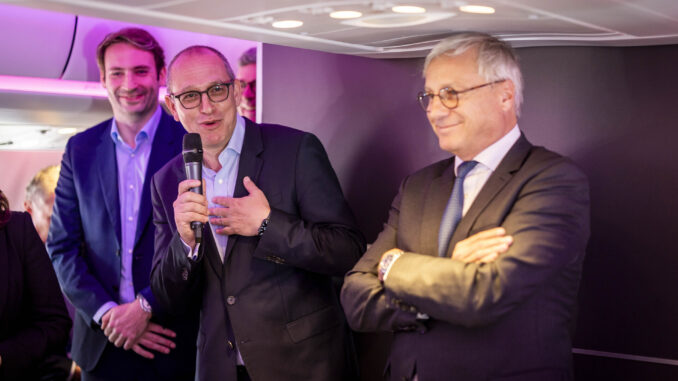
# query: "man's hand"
242, 215
483, 247
154, 338
124, 324
189, 207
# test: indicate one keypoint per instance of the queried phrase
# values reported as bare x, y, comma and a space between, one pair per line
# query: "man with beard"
101, 235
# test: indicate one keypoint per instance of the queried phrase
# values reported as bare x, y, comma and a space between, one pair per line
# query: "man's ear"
507, 91
102, 78
162, 77
172, 108
237, 91
28, 207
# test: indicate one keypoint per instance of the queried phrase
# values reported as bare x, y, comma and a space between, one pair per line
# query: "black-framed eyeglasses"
192, 99
449, 97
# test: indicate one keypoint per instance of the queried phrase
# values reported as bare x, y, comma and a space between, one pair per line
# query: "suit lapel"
249, 165
107, 168
511, 163
211, 251
165, 137
436, 198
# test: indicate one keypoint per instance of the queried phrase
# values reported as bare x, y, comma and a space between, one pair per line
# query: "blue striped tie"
455, 205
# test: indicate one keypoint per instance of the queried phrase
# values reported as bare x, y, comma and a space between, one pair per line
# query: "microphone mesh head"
192, 148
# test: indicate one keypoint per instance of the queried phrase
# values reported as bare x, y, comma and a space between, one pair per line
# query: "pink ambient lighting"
51, 86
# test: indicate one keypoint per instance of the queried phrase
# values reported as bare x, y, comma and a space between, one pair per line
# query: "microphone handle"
194, 172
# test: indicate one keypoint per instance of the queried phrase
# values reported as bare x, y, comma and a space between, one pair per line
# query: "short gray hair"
196, 49
43, 183
496, 58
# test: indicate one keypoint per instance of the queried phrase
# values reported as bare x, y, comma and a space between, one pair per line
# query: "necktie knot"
464, 168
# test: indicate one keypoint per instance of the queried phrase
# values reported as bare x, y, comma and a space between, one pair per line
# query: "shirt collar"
236, 141
147, 131
491, 156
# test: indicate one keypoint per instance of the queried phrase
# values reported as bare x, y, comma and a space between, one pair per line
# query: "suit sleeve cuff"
102, 310
192, 255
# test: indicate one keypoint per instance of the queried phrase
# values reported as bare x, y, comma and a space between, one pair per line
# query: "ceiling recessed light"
287, 24
397, 20
477, 9
345, 14
408, 9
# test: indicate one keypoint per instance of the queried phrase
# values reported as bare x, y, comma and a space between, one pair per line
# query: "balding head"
197, 50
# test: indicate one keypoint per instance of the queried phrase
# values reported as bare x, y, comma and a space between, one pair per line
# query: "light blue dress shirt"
131, 164
222, 182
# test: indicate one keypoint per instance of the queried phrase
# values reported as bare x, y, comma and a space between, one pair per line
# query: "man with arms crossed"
277, 228
493, 298
101, 236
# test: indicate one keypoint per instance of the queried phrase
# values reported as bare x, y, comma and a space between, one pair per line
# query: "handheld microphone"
192, 153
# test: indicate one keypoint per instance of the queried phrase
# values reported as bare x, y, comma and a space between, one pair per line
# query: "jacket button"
230, 300
230, 344
184, 273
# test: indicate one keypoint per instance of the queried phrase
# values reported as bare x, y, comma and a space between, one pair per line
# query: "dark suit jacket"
34, 322
275, 291
84, 239
509, 318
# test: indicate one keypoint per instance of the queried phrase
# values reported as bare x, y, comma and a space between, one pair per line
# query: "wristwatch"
387, 261
263, 226
145, 305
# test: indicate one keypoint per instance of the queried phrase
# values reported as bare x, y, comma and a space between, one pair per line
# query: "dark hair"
136, 37
248, 57
5, 213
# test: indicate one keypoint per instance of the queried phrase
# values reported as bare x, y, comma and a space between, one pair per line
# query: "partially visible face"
131, 80
248, 75
214, 121
41, 214
480, 116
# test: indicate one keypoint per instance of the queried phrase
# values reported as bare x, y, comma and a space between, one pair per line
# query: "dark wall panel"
614, 111
363, 110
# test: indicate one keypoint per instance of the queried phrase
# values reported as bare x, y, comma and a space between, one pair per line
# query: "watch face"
145, 305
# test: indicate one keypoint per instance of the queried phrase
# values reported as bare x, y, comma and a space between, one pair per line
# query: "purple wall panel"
363, 110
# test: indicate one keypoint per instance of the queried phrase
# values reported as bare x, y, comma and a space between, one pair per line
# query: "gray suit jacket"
509, 318
273, 296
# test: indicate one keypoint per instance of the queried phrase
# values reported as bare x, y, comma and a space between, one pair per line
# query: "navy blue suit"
85, 239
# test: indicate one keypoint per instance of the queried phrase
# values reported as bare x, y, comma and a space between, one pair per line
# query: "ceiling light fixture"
343, 15
408, 9
287, 24
397, 20
480, 9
